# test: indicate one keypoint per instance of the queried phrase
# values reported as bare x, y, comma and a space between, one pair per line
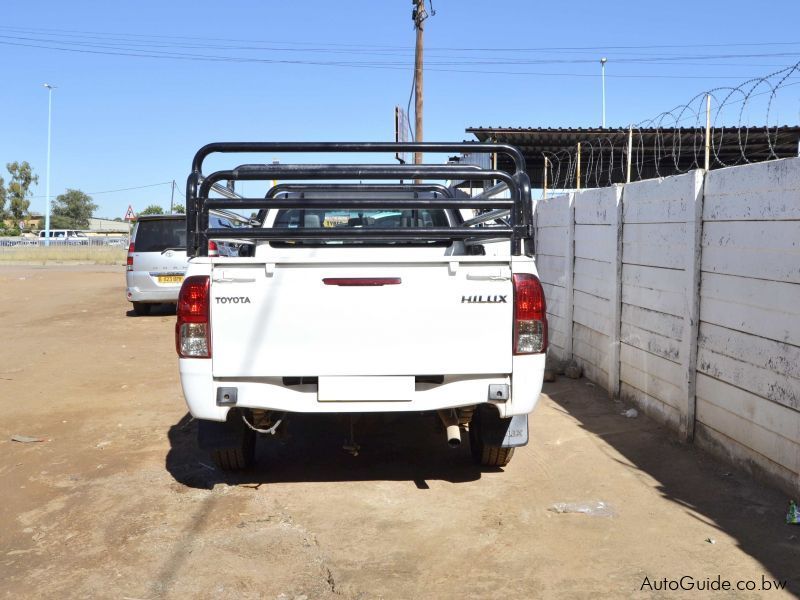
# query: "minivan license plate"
170, 278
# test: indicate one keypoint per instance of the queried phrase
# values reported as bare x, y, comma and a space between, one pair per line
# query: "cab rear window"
296, 218
336, 218
160, 234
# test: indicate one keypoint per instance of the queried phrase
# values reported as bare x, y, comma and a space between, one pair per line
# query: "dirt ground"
117, 502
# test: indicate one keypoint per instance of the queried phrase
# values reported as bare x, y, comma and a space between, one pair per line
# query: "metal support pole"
708, 132
578, 166
630, 153
494, 165
172, 198
544, 179
50, 89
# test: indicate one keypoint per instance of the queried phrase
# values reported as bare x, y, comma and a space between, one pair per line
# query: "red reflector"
361, 281
529, 303
193, 300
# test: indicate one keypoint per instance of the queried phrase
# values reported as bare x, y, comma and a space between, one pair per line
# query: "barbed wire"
674, 141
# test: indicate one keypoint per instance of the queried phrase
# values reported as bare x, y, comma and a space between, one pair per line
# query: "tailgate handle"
361, 281
226, 277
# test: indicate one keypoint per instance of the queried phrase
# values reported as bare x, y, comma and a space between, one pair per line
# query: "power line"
228, 59
138, 187
145, 49
204, 40
150, 47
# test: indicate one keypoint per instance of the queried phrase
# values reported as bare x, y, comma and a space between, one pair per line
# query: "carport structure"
598, 157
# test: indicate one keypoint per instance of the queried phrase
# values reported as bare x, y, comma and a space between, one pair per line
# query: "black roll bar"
437, 188
351, 147
370, 195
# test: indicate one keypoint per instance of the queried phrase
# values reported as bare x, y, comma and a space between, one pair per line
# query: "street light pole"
603, 62
50, 89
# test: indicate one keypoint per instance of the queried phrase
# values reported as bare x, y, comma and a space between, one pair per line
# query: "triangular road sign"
129, 216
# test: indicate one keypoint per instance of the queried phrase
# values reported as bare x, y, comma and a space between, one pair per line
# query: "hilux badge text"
483, 300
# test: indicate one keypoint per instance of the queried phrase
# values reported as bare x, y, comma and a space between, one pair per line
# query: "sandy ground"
117, 502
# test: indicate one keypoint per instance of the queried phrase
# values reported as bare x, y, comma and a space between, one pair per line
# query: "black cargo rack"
372, 195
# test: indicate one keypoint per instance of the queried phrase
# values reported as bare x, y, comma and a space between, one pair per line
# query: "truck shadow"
397, 447
721, 495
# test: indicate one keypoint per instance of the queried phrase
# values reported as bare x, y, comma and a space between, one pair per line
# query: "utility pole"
172, 198
603, 62
418, 15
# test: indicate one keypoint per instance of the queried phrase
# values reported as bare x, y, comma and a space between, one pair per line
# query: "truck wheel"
233, 459
482, 453
141, 308
232, 445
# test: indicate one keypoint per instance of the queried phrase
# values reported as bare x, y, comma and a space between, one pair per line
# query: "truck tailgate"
295, 320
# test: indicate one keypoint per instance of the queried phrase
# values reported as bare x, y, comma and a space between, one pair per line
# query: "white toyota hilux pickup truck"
363, 298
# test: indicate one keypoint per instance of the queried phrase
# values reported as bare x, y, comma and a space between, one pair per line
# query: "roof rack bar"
269, 172
371, 202
360, 187
493, 191
370, 233
365, 147
488, 216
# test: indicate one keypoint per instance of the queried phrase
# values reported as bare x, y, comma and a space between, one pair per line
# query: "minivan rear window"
156, 235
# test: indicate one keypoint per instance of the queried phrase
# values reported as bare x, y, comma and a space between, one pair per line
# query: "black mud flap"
213, 435
503, 433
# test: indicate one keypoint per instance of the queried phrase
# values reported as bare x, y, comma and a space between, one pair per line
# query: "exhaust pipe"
450, 421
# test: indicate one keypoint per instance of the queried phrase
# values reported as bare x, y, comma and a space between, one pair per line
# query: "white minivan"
64, 236
157, 259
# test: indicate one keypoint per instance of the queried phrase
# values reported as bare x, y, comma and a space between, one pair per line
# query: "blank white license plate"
366, 389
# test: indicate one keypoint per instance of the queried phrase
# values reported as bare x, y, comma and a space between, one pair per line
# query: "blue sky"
125, 121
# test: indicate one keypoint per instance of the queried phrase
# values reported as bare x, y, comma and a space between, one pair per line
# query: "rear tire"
232, 445
482, 453
141, 309
233, 459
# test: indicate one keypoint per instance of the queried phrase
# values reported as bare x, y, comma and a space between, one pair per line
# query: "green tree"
61, 222
179, 209
75, 206
153, 209
2, 199
19, 188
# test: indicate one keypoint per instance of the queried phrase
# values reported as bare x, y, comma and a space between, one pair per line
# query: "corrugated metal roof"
656, 151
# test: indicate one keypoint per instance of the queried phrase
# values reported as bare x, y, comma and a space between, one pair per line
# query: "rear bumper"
269, 393
140, 286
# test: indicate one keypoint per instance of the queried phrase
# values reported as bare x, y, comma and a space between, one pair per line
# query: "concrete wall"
595, 339
660, 221
682, 295
555, 230
748, 381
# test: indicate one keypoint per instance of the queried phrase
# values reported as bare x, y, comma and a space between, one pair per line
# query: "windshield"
156, 235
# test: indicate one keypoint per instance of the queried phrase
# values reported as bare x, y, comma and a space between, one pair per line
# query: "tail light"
530, 319
213, 249
130, 258
192, 331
